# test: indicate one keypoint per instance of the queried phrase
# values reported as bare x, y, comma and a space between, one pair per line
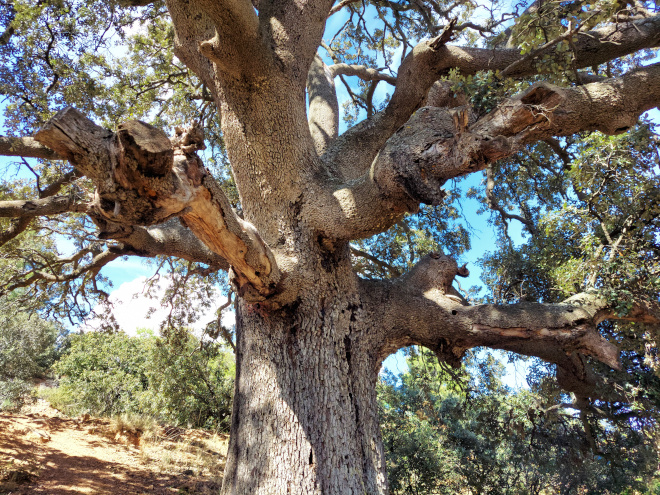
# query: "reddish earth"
44, 452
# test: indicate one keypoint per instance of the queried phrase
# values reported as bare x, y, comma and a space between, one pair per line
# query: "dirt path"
45, 453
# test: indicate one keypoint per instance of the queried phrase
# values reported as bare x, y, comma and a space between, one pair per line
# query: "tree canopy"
343, 247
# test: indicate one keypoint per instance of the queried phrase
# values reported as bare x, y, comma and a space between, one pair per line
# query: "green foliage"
113, 63
27, 350
595, 226
191, 382
105, 373
431, 230
178, 379
445, 432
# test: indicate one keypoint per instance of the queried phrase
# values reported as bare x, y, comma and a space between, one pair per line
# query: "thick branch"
142, 180
54, 205
418, 308
192, 26
15, 228
323, 105
170, 238
294, 29
26, 147
237, 37
438, 144
428, 62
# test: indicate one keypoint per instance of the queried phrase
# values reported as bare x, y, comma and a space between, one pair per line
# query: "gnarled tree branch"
142, 179
437, 144
419, 308
428, 62
22, 212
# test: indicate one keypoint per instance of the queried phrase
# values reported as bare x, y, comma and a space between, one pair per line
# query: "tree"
177, 379
311, 333
447, 432
27, 349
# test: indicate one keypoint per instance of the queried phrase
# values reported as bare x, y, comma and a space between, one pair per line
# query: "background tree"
471, 92
27, 350
445, 432
176, 379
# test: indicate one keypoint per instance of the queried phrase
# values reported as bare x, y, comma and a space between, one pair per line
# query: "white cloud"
134, 309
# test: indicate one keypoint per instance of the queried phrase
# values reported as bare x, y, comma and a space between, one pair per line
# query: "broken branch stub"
147, 146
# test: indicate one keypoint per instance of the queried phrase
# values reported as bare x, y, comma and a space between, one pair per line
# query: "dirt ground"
44, 452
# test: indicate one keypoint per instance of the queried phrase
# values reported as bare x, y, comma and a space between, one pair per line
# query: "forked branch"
428, 62
438, 144
420, 309
143, 179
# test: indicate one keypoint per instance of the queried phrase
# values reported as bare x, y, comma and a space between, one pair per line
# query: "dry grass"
172, 450
192, 452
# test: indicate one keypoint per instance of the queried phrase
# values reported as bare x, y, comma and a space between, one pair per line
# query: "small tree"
178, 379
443, 436
27, 350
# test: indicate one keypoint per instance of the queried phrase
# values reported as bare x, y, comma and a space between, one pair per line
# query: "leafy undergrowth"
44, 451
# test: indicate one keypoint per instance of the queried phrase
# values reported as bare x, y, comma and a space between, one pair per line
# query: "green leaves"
486, 438
178, 379
27, 349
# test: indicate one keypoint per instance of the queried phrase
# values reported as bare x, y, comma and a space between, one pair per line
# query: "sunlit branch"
26, 147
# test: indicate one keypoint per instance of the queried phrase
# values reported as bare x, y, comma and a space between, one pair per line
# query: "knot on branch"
424, 153
449, 353
189, 139
211, 49
435, 271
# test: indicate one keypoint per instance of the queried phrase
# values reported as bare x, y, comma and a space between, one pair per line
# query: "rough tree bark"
311, 335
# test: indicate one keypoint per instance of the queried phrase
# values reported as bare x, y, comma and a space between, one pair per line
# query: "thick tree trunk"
305, 412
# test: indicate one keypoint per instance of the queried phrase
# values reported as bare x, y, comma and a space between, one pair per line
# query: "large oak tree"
311, 334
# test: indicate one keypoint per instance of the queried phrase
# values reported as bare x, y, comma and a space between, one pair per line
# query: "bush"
176, 379
104, 374
27, 350
191, 381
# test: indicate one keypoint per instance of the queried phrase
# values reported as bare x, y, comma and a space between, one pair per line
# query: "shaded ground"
43, 452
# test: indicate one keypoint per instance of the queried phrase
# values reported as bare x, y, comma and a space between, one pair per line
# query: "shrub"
104, 374
27, 350
177, 379
191, 381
